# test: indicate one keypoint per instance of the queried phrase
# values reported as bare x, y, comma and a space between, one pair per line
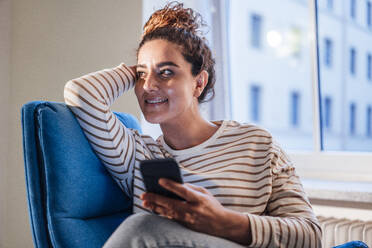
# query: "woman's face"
166, 88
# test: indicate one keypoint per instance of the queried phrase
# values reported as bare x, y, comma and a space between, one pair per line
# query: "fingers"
197, 188
182, 190
178, 214
134, 71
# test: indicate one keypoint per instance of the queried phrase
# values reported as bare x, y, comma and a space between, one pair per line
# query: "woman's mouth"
156, 101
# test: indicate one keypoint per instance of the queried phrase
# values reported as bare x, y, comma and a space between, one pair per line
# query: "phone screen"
154, 169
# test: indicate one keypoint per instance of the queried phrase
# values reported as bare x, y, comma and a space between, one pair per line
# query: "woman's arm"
290, 220
89, 98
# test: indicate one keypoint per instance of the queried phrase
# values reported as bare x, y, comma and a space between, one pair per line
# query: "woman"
240, 187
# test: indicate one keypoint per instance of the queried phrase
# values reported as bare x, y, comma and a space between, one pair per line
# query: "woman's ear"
201, 82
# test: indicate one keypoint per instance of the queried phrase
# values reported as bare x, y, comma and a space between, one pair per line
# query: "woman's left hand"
200, 211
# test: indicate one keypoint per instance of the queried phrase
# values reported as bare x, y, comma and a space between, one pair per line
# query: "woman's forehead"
158, 51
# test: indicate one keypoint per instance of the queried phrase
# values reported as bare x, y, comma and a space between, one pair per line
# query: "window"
255, 95
369, 121
352, 61
328, 52
330, 4
295, 106
282, 68
327, 112
353, 9
369, 67
352, 118
369, 14
256, 23
276, 72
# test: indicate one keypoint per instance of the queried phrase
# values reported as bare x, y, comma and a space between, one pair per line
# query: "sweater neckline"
197, 148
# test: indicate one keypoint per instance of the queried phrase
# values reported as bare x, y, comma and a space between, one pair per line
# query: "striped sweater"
241, 165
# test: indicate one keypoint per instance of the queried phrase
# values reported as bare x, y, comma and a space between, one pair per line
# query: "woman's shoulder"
233, 127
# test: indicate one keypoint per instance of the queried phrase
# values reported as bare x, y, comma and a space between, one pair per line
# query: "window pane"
277, 76
330, 4
255, 31
294, 105
328, 52
369, 14
346, 88
369, 67
352, 118
369, 122
353, 9
352, 59
255, 94
327, 112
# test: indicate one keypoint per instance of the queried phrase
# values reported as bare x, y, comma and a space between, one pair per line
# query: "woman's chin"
153, 119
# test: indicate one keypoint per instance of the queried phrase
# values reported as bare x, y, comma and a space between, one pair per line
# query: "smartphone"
154, 169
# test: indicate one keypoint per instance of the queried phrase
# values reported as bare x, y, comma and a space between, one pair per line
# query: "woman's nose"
151, 83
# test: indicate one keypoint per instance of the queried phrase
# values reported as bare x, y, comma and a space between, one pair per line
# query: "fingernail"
163, 181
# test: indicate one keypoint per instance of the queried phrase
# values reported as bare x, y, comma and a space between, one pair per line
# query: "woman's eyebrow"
140, 66
169, 63
166, 63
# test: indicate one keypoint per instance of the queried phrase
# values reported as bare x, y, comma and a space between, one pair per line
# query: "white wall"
53, 41
5, 25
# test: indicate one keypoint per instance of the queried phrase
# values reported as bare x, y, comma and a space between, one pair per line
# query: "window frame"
327, 165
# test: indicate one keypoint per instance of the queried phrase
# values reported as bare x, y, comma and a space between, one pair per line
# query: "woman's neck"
187, 133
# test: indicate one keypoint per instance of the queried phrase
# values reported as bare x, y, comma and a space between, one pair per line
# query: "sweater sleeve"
89, 98
289, 220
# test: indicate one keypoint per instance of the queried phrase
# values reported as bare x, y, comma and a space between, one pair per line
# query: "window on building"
330, 4
256, 26
352, 61
295, 108
327, 112
255, 99
352, 127
353, 9
369, 67
328, 52
369, 14
369, 122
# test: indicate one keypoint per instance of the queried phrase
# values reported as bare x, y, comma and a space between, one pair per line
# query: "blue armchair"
72, 200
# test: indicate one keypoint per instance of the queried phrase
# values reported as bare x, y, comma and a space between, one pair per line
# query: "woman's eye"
140, 74
166, 73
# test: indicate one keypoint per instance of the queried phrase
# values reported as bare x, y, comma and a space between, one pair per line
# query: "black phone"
154, 169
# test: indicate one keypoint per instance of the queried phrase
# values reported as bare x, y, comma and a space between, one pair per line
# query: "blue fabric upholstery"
73, 202
353, 244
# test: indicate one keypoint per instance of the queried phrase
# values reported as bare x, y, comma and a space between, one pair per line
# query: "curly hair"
180, 26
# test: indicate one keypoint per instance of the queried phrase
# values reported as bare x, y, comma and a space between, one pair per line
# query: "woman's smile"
155, 100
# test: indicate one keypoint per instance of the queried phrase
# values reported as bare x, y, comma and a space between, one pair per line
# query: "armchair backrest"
73, 202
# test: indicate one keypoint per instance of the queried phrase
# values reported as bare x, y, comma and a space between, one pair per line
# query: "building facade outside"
271, 70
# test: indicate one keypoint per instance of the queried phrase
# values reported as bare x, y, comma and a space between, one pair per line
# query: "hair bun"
176, 16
